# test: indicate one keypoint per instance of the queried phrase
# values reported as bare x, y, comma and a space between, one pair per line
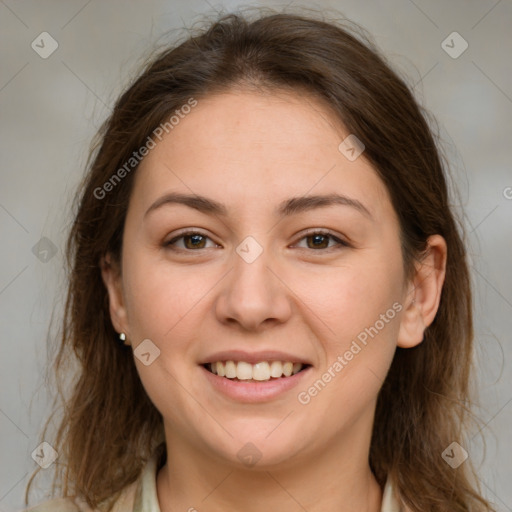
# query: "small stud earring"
122, 337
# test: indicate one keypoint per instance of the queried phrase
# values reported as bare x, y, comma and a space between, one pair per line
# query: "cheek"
351, 297
360, 305
160, 297
164, 306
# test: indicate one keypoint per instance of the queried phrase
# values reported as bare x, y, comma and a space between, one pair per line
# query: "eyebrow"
288, 207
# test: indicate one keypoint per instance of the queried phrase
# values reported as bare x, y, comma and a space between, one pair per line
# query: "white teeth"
260, 371
230, 367
244, 371
276, 369
297, 367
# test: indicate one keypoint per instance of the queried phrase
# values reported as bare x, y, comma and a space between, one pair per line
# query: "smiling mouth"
259, 372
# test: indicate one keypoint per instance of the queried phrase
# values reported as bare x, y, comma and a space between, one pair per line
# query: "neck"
336, 480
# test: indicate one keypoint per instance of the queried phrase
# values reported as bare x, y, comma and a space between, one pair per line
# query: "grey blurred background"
63, 64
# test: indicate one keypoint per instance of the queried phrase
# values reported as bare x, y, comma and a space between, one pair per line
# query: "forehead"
244, 121
267, 146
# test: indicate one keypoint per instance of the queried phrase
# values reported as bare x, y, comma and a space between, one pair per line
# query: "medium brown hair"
109, 426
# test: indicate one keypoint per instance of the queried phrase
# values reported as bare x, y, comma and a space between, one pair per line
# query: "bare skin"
306, 296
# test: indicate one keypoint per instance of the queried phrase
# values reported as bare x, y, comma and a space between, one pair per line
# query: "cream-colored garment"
141, 495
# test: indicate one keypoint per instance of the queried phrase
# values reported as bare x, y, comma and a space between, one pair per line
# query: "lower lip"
253, 392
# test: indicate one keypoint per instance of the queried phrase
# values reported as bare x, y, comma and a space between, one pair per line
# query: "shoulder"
122, 502
391, 501
140, 495
56, 505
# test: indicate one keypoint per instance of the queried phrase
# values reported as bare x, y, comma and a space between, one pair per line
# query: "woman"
266, 227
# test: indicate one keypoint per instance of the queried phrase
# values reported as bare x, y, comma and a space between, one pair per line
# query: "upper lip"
254, 357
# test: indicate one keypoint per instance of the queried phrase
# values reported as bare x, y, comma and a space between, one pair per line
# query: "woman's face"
259, 281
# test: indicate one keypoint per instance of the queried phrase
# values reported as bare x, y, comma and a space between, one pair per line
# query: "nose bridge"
253, 294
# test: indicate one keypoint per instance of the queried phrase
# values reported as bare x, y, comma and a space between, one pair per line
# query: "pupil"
195, 238
316, 239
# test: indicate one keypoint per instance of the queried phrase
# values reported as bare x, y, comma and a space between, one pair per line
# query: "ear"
111, 274
424, 293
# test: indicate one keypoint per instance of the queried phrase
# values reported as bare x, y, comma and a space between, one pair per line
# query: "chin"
262, 445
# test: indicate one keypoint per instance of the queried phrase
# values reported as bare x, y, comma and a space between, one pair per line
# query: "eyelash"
340, 243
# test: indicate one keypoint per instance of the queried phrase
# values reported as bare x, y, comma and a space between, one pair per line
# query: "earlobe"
111, 276
424, 294
412, 327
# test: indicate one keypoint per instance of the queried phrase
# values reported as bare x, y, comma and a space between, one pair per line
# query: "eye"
192, 240
320, 238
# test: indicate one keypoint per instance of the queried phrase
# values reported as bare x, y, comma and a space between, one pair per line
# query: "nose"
253, 295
